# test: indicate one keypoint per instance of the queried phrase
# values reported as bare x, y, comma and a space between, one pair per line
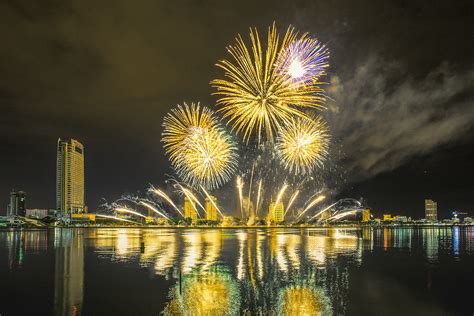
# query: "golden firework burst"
201, 152
257, 97
303, 144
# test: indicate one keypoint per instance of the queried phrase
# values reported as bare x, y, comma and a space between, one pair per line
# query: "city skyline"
111, 93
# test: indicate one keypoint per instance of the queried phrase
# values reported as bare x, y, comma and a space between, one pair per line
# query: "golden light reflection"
302, 300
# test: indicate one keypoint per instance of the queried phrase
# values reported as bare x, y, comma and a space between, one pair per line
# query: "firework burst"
302, 144
304, 60
201, 152
256, 97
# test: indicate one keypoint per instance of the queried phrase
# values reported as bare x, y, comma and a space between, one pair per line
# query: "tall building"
70, 177
189, 210
431, 210
17, 204
211, 209
366, 215
276, 213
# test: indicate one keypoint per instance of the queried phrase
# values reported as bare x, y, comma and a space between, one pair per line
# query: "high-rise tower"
70, 177
431, 210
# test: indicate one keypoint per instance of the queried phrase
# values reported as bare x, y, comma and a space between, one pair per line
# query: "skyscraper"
431, 210
17, 203
211, 210
276, 213
70, 177
189, 210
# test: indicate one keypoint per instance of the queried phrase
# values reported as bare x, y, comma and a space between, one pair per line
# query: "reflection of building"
211, 210
70, 177
68, 272
17, 204
431, 210
366, 215
190, 210
276, 213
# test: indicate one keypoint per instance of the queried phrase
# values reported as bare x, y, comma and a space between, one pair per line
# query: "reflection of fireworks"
256, 96
302, 299
302, 144
201, 152
304, 60
211, 293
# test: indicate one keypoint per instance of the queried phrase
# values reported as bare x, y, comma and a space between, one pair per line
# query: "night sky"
105, 73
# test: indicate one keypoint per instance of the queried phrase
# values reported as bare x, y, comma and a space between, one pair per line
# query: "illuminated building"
37, 212
402, 219
276, 213
211, 210
366, 215
70, 177
431, 210
388, 217
17, 204
190, 210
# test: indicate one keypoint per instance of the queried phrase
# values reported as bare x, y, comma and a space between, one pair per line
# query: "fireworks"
201, 152
304, 60
257, 96
303, 144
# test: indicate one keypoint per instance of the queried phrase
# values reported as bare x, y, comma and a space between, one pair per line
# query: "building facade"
366, 215
70, 177
431, 210
276, 213
211, 209
190, 210
17, 206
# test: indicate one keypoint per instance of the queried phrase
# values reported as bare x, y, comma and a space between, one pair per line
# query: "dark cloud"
384, 117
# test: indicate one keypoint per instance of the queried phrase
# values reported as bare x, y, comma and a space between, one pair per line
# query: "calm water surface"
233, 272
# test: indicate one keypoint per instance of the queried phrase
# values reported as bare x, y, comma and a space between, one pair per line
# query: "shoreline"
354, 226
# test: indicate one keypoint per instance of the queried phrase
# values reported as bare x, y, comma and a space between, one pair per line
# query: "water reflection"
220, 271
68, 271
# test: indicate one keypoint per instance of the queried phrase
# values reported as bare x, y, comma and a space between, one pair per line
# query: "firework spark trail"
322, 211
167, 199
212, 201
116, 218
255, 96
258, 196
128, 211
280, 194
154, 209
341, 215
303, 144
292, 199
250, 185
313, 203
240, 186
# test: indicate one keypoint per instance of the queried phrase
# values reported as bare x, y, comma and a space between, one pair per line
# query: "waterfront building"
17, 206
431, 210
276, 213
190, 210
37, 212
70, 177
402, 219
388, 217
468, 220
211, 210
366, 215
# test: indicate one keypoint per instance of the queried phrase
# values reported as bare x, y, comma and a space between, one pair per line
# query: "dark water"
216, 272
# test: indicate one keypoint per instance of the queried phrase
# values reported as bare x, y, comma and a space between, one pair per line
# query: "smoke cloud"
381, 118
